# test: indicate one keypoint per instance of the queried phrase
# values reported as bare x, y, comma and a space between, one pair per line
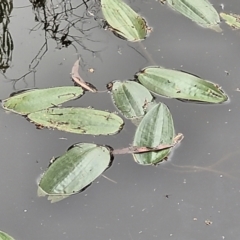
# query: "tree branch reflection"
6, 42
61, 22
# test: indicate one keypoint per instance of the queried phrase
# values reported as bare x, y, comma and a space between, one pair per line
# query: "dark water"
196, 195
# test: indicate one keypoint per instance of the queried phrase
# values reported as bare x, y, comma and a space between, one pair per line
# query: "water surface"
195, 195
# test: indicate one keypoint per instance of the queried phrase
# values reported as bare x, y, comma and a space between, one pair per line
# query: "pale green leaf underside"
200, 11
5, 236
74, 170
123, 20
39, 99
181, 85
155, 128
131, 98
78, 120
233, 20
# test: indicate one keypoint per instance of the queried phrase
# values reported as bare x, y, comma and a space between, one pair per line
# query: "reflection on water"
227, 166
57, 19
68, 24
6, 42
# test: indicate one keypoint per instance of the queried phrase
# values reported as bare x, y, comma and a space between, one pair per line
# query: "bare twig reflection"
58, 20
62, 22
6, 42
224, 167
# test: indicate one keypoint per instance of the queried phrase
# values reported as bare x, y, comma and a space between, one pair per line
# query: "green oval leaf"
233, 20
5, 236
181, 85
200, 11
74, 171
155, 128
78, 120
39, 99
130, 97
123, 21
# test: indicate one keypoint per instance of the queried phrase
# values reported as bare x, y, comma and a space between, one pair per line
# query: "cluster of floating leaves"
154, 136
134, 98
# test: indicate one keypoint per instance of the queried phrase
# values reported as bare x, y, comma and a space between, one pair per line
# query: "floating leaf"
233, 20
200, 11
39, 99
181, 85
5, 236
156, 128
130, 97
123, 21
78, 120
74, 171
79, 81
